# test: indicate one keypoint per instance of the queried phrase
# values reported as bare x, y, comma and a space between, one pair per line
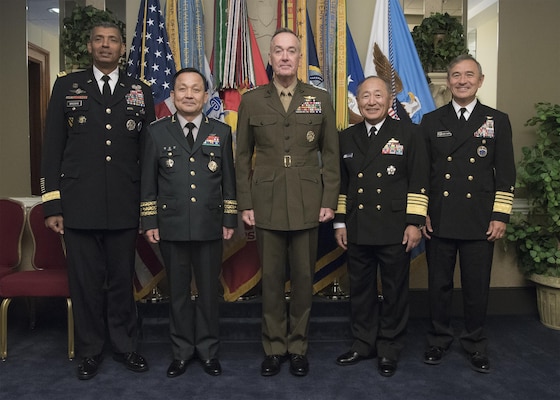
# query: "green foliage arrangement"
536, 234
438, 40
75, 35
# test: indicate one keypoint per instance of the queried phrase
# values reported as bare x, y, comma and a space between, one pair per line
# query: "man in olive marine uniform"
471, 199
91, 194
188, 207
290, 128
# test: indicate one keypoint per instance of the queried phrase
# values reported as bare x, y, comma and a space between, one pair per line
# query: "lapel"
273, 100
464, 132
92, 86
120, 89
297, 99
176, 131
204, 130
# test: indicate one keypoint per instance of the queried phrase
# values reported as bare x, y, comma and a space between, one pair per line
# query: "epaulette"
160, 120
62, 73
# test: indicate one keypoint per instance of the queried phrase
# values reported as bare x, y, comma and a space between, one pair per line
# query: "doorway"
39, 92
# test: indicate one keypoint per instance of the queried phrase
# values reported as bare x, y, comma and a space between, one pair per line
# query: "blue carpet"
524, 355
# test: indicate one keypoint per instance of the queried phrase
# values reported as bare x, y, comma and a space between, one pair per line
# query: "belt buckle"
287, 161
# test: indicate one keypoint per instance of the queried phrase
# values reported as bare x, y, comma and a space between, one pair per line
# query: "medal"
212, 165
130, 125
310, 136
482, 151
169, 163
391, 170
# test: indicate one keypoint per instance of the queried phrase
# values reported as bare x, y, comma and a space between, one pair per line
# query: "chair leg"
4, 328
70, 328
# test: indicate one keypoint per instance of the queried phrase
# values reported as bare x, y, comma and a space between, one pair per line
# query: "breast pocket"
170, 160
264, 130
76, 115
308, 129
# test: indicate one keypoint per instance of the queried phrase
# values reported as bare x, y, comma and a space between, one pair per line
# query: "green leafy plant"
75, 35
438, 40
536, 234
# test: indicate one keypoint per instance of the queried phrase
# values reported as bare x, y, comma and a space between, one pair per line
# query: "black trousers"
100, 272
475, 259
378, 326
193, 324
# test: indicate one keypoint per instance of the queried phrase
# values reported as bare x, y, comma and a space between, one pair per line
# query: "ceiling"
38, 10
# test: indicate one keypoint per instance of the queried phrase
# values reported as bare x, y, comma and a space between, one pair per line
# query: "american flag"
150, 58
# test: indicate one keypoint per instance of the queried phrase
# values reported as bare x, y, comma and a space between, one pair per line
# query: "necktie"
462, 117
106, 88
372, 132
190, 138
285, 98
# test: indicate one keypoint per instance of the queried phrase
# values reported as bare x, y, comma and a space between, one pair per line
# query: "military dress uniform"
91, 176
290, 183
189, 195
472, 183
383, 189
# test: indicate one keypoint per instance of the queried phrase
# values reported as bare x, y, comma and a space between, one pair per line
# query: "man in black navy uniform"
471, 199
381, 208
188, 207
91, 194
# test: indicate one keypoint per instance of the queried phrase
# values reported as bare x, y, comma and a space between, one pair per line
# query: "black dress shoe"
271, 365
433, 355
176, 368
352, 357
480, 362
212, 367
132, 360
299, 366
387, 367
87, 369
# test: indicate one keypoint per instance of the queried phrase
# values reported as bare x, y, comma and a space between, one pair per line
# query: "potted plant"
439, 39
536, 234
75, 34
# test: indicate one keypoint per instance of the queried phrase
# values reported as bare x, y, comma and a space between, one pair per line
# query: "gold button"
108, 110
193, 199
469, 195
191, 159
379, 174
472, 160
449, 158
360, 190
446, 193
470, 177
447, 176
164, 207
108, 126
193, 173
193, 186
378, 190
212, 154
360, 206
483, 141
108, 142
108, 158
378, 207
360, 175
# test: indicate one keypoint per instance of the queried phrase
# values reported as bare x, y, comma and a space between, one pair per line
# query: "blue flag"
150, 57
393, 39
355, 76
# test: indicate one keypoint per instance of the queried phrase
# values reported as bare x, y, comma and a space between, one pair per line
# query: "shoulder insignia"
62, 73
